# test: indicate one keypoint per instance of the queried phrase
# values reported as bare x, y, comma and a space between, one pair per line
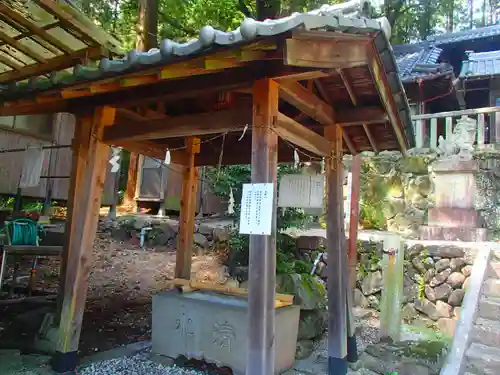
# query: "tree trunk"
147, 25
147, 29
471, 14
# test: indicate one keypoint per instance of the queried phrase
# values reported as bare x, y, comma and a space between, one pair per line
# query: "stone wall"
435, 279
399, 190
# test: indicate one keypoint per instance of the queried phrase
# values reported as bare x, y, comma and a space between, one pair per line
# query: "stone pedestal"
453, 216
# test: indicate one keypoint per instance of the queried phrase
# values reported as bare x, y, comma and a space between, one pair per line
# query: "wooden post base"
64, 363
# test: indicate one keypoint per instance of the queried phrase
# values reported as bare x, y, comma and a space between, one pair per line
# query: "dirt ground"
121, 283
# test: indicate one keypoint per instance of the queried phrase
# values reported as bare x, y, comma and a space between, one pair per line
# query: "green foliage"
232, 177
421, 288
373, 196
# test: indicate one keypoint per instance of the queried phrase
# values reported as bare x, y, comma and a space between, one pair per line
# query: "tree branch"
175, 24
245, 10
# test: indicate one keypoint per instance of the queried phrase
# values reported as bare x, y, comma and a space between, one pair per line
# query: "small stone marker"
392, 291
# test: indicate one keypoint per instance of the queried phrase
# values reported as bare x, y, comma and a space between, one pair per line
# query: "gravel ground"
139, 364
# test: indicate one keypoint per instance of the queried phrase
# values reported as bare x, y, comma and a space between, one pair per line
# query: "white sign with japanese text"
257, 209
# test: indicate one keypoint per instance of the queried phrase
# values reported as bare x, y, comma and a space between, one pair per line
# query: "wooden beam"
360, 116
328, 54
299, 96
370, 138
21, 20
348, 86
21, 47
56, 63
262, 275
181, 126
185, 244
337, 256
348, 143
386, 96
12, 63
88, 177
296, 133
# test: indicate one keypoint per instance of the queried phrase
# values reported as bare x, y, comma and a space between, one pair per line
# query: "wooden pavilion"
323, 82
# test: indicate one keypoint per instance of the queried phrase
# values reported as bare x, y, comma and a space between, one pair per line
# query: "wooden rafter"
21, 47
348, 143
305, 100
296, 133
370, 137
60, 62
70, 20
12, 15
348, 86
381, 81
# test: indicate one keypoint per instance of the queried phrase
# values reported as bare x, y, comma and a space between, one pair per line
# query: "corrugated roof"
481, 65
345, 17
419, 60
460, 36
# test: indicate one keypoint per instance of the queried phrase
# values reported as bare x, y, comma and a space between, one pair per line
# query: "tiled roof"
419, 60
460, 36
344, 17
481, 65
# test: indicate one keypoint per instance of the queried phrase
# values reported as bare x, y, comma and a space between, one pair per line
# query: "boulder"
221, 234
312, 324
466, 271
447, 326
466, 283
442, 292
419, 265
428, 263
206, 230
374, 302
372, 283
445, 251
443, 309
428, 308
410, 292
140, 222
310, 242
442, 264
160, 235
440, 278
304, 349
456, 280
309, 291
456, 264
429, 274
409, 312
201, 240
414, 251
456, 297
360, 299
430, 294
121, 234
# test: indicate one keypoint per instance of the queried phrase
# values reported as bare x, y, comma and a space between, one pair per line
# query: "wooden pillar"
188, 208
90, 158
262, 272
337, 257
130, 190
354, 220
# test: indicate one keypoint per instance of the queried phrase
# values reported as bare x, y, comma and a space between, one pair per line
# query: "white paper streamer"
167, 158
243, 134
230, 207
296, 158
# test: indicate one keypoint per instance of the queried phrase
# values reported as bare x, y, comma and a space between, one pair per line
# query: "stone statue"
461, 143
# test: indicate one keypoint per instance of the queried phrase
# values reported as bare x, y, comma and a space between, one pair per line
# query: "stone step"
491, 288
483, 359
487, 332
489, 308
494, 270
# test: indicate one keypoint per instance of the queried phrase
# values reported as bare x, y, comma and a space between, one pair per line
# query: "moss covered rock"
309, 291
